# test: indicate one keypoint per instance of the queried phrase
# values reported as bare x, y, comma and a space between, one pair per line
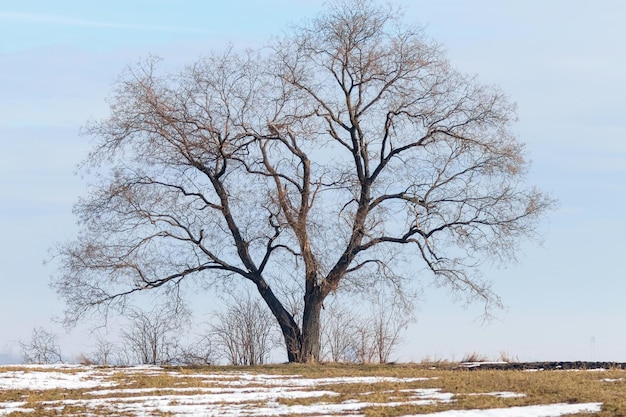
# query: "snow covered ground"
108, 391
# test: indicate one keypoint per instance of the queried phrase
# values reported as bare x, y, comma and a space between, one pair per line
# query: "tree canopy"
350, 152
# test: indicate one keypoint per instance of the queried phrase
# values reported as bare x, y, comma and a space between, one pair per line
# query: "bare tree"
367, 334
363, 348
124, 356
388, 322
243, 332
104, 351
42, 348
338, 333
152, 337
352, 144
201, 352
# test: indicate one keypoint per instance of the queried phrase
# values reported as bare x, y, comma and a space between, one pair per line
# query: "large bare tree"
348, 152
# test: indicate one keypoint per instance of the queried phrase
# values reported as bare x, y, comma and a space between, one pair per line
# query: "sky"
562, 61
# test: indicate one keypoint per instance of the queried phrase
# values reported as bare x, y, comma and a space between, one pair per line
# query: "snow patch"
46, 380
501, 394
552, 410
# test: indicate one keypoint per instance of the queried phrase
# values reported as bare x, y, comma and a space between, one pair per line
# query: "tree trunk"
310, 349
288, 326
303, 346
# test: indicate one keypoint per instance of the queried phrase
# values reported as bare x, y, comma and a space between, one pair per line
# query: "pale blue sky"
562, 61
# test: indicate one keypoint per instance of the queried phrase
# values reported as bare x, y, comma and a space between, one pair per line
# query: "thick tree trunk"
311, 327
288, 326
302, 345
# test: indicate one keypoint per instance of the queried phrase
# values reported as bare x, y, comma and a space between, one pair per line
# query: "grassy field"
295, 390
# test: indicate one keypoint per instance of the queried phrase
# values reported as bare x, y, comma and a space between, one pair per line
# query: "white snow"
612, 379
477, 364
12, 407
502, 394
552, 410
233, 394
44, 380
236, 378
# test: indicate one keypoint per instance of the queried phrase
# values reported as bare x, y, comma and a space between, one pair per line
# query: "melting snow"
502, 394
613, 379
552, 410
237, 394
44, 380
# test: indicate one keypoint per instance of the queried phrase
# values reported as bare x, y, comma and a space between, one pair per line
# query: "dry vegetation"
393, 396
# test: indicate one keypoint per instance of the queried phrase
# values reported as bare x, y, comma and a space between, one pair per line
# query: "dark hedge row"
545, 365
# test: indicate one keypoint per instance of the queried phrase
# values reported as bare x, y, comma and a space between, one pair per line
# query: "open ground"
442, 390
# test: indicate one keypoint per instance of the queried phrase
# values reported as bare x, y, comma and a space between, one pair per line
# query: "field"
297, 390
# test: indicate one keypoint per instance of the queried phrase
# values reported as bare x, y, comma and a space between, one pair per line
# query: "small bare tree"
388, 321
124, 356
104, 351
42, 348
201, 352
339, 333
363, 349
243, 332
368, 335
152, 337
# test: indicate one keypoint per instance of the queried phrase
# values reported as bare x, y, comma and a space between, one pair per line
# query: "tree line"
242, 334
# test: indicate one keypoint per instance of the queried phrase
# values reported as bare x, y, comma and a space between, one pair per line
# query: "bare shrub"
367, 336
338, 334
152, 337
85, 360
474, 357
507, 357
103, 351
389, 320
363, 349
201, 352
243, 332
42, 348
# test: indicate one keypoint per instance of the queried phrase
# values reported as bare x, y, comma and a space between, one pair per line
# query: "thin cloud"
70, 21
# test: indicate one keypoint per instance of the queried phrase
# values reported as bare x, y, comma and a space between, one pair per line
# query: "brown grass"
542, 387
474, 357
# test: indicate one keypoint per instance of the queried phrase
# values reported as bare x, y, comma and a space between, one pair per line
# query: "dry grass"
542, 387
475, 357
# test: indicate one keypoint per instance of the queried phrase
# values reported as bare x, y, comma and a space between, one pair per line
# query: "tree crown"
351, 153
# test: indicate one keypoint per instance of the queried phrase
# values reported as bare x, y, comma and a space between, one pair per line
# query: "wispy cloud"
70, 21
